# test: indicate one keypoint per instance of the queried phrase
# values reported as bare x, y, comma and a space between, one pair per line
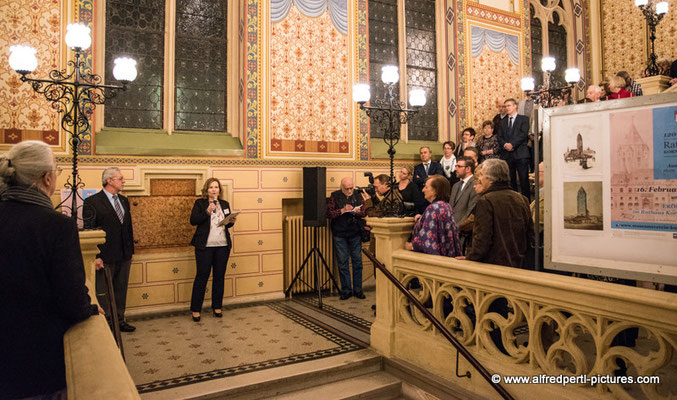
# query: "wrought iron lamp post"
653, 12
390, 113
547, 96
75, 94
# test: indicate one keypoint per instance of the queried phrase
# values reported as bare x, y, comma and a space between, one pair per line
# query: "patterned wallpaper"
24, 115
625, 42
493, 77
309, 85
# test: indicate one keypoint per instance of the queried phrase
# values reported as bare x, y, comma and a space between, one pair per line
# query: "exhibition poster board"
611, 188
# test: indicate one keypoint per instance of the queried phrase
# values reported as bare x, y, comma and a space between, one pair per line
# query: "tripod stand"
316, 253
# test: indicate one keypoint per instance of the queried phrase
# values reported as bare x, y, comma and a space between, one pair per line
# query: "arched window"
552, 33
419, 58
193, 47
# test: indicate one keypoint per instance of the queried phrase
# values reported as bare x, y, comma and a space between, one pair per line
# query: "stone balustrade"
94, 367
554, 324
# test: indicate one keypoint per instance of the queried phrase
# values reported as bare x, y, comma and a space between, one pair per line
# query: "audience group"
477, 197
483, 210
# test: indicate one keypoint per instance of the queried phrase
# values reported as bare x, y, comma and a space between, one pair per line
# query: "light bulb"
528, 84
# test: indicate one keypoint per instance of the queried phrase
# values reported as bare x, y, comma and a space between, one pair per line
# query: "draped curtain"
496, 41
338, 10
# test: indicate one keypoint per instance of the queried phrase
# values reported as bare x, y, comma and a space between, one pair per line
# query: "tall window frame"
443, 123
553, 15
234, 66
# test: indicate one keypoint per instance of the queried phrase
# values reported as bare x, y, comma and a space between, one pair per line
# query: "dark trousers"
119, 272
345, 249
520, 169
205, 260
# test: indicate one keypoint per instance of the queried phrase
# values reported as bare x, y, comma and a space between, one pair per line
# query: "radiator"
298, 240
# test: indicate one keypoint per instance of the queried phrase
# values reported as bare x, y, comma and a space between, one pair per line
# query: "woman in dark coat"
212, 246
41, 275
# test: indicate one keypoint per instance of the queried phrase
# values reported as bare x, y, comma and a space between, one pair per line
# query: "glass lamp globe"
641, 3
124, 69
662, 7
528, 84
417, 97
572, 75
548, 64
390, 74
78, 36
361, 93
22, 59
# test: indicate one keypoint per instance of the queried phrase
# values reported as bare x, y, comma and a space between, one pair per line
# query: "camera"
369, 189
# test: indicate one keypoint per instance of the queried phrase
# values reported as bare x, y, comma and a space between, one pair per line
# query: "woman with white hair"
41, 274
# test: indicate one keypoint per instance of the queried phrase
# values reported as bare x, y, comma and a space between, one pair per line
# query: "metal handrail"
445, 332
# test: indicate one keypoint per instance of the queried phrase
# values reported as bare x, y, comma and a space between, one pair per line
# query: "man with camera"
346, 212
373, 199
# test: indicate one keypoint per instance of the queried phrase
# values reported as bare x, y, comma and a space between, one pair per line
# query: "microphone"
216, 203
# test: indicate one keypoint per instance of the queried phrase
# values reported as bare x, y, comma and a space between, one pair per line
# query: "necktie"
427, 165
118, 209
458, 194
510, 123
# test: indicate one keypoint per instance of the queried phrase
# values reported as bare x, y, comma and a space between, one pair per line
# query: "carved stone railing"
94, 367
547, 324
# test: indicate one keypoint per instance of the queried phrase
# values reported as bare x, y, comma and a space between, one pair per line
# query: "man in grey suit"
463, 196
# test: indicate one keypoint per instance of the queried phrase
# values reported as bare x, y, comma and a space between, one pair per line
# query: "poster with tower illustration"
644, 169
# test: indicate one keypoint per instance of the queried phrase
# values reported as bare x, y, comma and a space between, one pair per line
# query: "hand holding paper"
229, 218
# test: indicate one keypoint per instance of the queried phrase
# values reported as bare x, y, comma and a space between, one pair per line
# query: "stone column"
88, 245
390, 235
654, 84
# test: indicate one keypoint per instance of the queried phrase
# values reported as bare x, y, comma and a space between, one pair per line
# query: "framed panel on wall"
611, 188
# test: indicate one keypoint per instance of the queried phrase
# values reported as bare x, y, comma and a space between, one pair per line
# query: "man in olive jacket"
503, 229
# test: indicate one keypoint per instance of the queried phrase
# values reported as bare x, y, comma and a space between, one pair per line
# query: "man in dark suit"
426, 168
109, 210
463, 195
513, 138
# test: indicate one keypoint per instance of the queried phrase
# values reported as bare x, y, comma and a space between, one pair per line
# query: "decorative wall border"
84, 13
451, 54
461, 60
253, 78
218, 162
493, 15
362, 61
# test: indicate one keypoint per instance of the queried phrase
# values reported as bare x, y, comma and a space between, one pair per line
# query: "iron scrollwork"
75, 95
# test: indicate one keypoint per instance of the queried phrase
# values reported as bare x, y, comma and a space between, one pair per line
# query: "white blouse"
217, 234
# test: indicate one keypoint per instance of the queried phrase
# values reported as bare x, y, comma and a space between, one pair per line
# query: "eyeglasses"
58, 171
461, 166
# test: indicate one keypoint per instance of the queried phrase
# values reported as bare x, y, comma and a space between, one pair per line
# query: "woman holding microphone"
212, 246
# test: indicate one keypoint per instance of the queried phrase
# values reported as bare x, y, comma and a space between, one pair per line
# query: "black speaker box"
314, 196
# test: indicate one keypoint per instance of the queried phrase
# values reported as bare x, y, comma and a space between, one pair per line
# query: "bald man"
345, 211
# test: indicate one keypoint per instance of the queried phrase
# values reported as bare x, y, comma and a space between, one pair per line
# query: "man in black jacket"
426, 168
109, 210
513, 138
345, 210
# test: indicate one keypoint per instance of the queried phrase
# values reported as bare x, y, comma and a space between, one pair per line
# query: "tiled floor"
172, 350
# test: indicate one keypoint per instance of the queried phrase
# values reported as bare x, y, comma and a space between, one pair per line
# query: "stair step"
373, 386
278, 381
